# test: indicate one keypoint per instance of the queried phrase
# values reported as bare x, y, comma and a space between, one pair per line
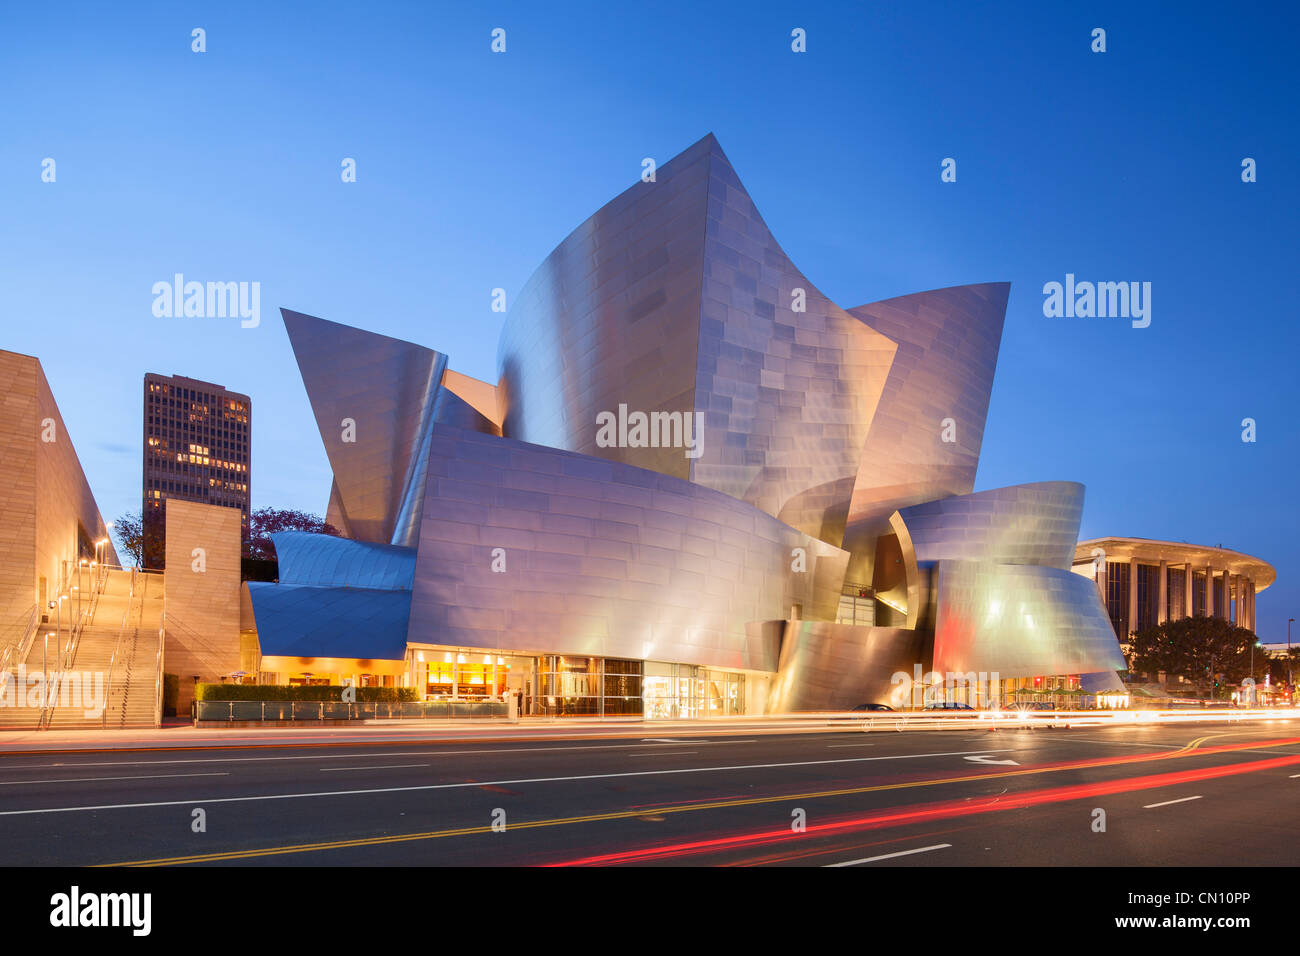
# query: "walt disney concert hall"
698, 487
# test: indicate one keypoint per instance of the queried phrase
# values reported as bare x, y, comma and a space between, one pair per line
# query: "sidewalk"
186, 736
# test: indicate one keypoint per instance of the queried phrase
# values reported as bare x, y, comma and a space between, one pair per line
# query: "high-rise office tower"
196, 447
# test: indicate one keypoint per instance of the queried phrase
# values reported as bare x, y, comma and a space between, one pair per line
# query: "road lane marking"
890, 856
1134, 784
981, 758
666, 753
467, 784
830, 746
389, 766
147, 776
1152, 806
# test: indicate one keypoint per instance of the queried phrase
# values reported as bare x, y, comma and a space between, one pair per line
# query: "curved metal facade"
830, 437
600, 558
925, 437
319, 560
826, 666
675, 297
343, 622
1020, 621
1023, 524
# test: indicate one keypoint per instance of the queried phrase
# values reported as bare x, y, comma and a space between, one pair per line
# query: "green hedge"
299, 692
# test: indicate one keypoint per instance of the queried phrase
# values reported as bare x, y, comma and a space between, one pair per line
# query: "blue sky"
472, 166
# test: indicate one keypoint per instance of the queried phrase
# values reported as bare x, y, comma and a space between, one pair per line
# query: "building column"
1132, 597
1209, 591
1228, 593
1250, 606
1162, 609
1187, 589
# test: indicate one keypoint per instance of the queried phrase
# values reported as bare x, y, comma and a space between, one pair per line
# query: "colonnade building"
1146, 583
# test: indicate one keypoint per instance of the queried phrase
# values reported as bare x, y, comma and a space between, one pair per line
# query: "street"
1157, 795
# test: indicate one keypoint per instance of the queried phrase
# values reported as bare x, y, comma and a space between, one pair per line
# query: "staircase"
133, 694
115, 657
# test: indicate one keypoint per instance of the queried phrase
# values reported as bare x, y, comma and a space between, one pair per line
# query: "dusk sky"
471, 166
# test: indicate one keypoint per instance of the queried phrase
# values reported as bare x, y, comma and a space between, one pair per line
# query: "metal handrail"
117, 649
18, 650
158, 680
112, 664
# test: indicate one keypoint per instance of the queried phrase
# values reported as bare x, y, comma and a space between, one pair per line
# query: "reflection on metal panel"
612, 317
1024, 524
827, 666
948, 341
385, 387
603, 559
675, 297
1020, 621
788, 396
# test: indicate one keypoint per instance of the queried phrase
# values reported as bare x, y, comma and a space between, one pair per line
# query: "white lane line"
832, 746
387, 766
665, 753
1152, 806
148, 776
1293, 776
890, 856
476, 783
400, 753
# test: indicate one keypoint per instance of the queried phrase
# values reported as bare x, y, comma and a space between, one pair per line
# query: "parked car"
948, 706
873, 707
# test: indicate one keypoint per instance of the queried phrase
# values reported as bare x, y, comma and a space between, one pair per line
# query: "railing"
16, 651
319, 710
112, 665
158, 681
117, 648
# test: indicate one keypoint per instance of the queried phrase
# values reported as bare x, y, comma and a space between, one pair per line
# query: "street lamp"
1290, 688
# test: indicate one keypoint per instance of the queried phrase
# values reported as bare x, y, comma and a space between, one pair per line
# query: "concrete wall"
46, 506
201, 616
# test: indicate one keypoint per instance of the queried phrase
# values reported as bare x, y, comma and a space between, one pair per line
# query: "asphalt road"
1171, 795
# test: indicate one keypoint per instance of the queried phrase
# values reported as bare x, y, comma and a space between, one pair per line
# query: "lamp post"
1290, 688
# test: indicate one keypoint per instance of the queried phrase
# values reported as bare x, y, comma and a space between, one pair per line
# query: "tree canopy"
1205, 650
128, 530
265, 522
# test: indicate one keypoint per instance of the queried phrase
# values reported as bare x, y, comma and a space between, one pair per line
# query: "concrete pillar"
1227, 597
1187, 590
1162, 610
1209, 591
1132, 597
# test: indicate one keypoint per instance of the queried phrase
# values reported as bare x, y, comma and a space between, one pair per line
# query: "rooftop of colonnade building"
1199, 556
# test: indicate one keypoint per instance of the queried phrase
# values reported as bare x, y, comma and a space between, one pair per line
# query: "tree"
1204, 650
128, 529
265, 522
